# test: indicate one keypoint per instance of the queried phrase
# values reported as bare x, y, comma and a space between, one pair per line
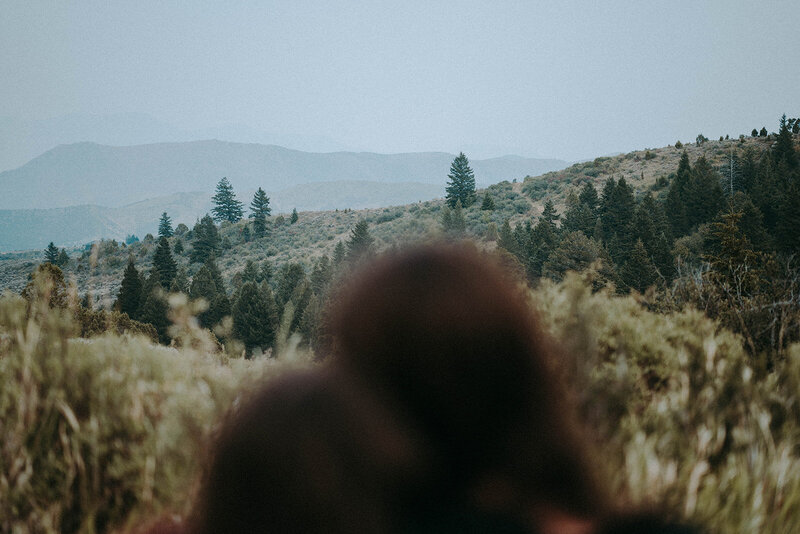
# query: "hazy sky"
550, 79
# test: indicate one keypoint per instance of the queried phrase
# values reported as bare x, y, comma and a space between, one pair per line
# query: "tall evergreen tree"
206, 240
462, 183
216, 274
339, 254
130, 292
153, 307
51, 253
164, 263
254, 317
321, 275
588, 196
226, 206
783, 150
730, 250
616, 218
203, 286
788, 226
638, 271
63, 258
259, 211
290, 276
705, 197
506, 240
207, 284
488, 202
180, 284
360, 245
677, 196
549, 215
250, 272
294, 216
165, 226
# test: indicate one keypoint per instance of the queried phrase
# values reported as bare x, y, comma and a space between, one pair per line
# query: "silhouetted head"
309, 453
449, 339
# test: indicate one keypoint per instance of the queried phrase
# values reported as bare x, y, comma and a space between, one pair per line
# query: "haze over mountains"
75, 193
21, 140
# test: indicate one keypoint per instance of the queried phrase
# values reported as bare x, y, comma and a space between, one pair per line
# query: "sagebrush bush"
680, 418
100, 432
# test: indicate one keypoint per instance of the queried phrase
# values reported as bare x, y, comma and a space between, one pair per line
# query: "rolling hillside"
76, 225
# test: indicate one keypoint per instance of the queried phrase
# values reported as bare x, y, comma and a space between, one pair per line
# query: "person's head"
448, 338
309, 453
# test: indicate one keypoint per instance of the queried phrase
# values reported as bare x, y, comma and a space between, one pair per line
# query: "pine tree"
154, 309
259, 211
254, 317
360, 244
226, 206
677, 196
453, 221
549, 215
51, 253
130, 291
638, 271
294, 217
491, 232
462, 183
47, 282
203, 286
164, 263
705, 195
763, 132
206, 240
616, 219
207, 284
588, 196
576, 252
321, 275
788, 227
447, 218
216, 274
290, 276
729, 252
180, 284
506, 239
783, 150
165, 226
178, 247
63, 258
265, 274
488, 202
250, 272
339, 254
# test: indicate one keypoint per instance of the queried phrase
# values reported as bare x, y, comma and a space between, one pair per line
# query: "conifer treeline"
725, 240
261, 303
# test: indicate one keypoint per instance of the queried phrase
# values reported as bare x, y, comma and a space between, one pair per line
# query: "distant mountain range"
88, 173
21, 140
80, 192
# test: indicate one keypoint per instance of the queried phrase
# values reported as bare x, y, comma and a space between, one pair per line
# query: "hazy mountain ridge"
88, 173
23, 139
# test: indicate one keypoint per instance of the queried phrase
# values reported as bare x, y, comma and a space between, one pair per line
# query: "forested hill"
88, 173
